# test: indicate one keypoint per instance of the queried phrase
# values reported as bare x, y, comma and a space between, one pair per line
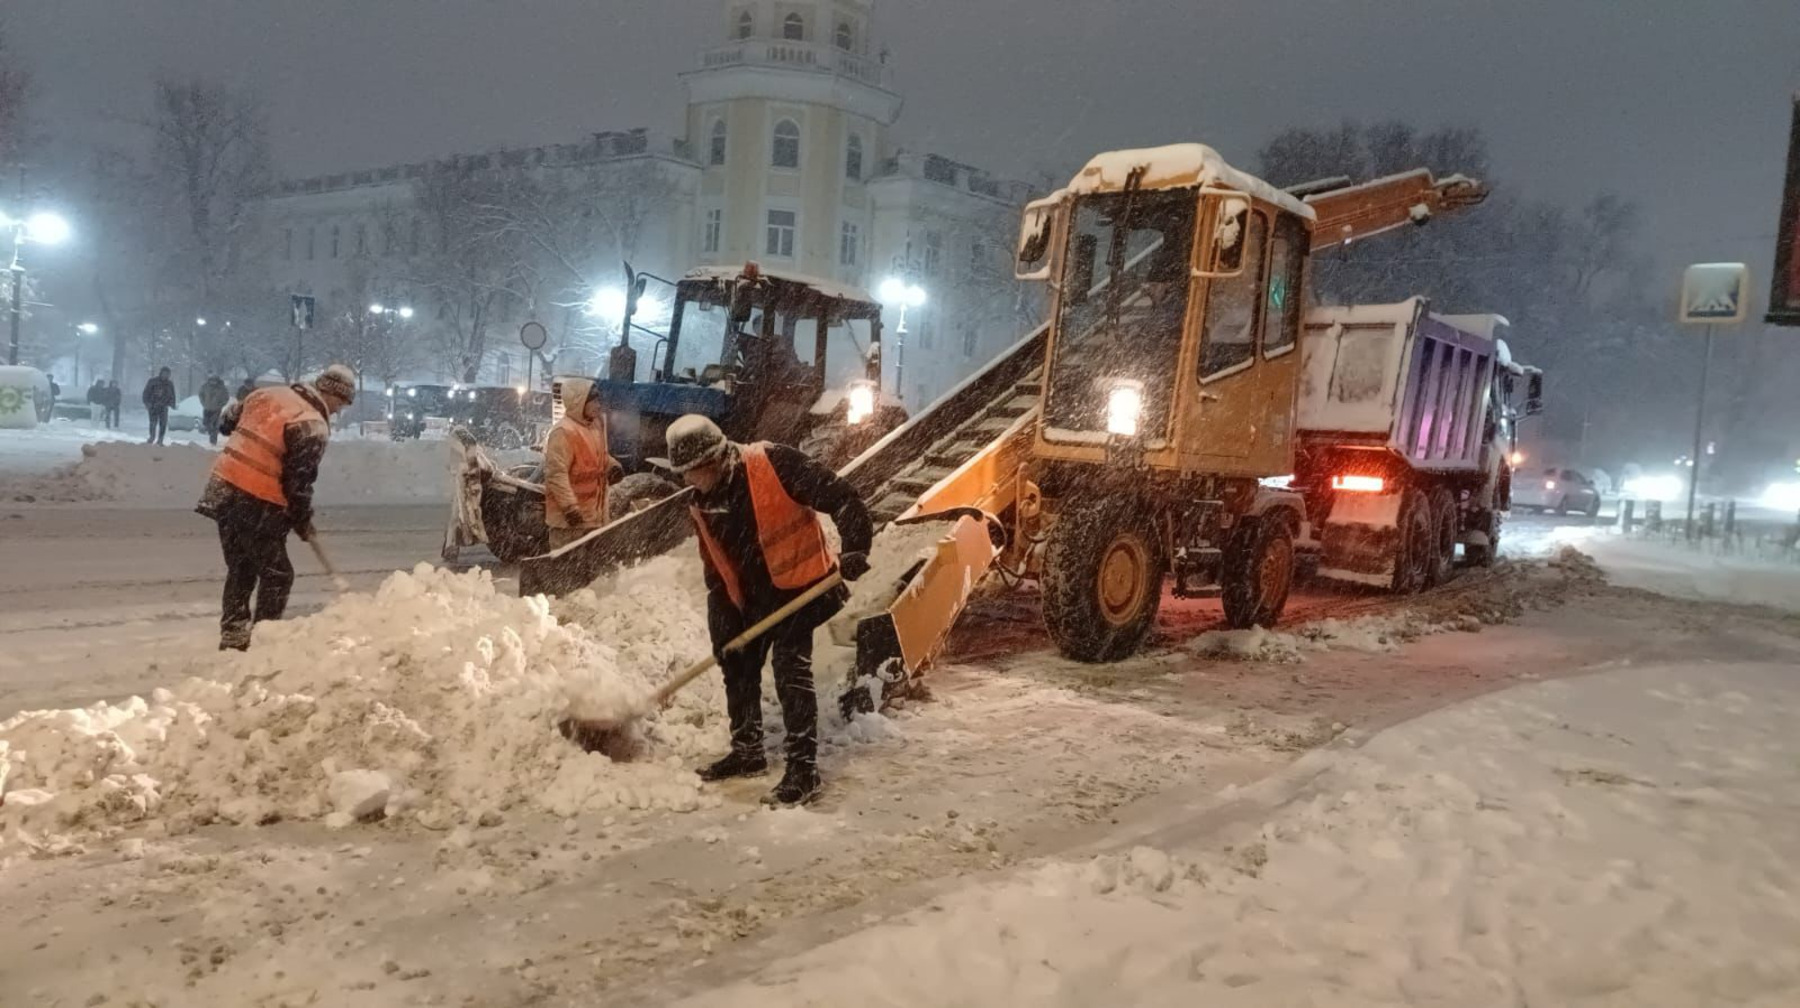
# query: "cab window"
1233, 306
1281, 310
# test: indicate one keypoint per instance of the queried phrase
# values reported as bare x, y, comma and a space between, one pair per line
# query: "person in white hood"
576, 465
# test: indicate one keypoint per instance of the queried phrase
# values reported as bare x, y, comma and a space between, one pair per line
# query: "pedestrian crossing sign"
1712, 293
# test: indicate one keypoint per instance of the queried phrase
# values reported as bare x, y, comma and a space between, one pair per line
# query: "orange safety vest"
792, 538
253, 456
587, 470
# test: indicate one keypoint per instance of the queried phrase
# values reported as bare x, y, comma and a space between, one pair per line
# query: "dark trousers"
256, 563
111, 416
159, 423
209, 419
791, 646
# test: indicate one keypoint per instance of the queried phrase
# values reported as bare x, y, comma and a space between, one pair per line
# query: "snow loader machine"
1128, 438
768, 356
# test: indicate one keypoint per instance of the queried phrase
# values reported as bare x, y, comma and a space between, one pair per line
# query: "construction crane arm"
1348, 213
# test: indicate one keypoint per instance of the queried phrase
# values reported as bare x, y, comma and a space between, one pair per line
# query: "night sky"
1681, 106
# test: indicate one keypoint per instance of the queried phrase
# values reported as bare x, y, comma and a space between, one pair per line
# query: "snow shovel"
337, 580
614, 738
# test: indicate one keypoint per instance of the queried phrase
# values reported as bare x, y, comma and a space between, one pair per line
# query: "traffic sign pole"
1699, 430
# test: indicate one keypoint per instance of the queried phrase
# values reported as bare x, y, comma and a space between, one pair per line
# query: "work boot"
799, 784
738, 764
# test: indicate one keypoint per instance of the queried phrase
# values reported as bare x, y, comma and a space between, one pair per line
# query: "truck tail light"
1358, 484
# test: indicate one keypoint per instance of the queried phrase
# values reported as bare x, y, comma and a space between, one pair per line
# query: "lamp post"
43, 228
82, 329
905, 294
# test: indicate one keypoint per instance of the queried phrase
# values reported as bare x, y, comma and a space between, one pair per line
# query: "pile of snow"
1692, 571
436, 698
354, 472
1373, 634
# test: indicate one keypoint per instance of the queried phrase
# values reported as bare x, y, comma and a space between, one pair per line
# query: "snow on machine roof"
1178, 166
826, 288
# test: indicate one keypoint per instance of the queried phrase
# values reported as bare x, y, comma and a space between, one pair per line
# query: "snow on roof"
827, 288
1175, 166
1486, 326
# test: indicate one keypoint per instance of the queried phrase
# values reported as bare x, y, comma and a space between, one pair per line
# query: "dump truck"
1406, 429
770, 356
1123, 442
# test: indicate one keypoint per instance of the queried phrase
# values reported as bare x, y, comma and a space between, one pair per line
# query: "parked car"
410, 407
1561, 490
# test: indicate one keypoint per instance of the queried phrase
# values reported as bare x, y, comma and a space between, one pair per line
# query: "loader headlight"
1124, 406
861, 401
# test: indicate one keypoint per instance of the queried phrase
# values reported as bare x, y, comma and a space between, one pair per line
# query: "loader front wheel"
1258, 574
1103, 575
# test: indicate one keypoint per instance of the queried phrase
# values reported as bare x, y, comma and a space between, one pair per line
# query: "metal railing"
799, 55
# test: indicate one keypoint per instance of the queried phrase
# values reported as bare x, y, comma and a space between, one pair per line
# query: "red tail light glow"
1359, 484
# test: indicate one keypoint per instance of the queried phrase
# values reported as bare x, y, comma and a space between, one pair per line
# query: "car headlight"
412, 393
861, 401
1124, 407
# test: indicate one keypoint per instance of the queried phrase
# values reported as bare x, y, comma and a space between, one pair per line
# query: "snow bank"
442, 686
353, 472
1385, 632
1619, 839
1695, 572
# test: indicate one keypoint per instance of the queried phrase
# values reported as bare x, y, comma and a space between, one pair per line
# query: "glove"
305, 529
853, 565
574, 518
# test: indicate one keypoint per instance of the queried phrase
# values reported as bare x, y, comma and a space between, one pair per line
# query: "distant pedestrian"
213, 397
96, 397
159, 398
245, 389
115, 396
55, 393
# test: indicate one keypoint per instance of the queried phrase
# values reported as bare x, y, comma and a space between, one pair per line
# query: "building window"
335, 234
846, 39
781, 228
745, 25
934, 252
978, 257
786, 153
849, 239
715, 149
388, 240
312, 235
923, 327
287, 244
418, 235
853, 159
968, 342
793, 28
362, 239
715, 225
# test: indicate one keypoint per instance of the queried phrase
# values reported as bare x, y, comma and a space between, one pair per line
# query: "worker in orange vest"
261, 489
576, 465
757, 513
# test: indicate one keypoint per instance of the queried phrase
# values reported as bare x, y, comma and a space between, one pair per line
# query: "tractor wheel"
635, 493
1444, 524
1258, 572
1103, 578
515, 526
1415, 551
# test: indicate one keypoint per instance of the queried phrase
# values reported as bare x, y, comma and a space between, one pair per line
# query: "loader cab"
1176, 319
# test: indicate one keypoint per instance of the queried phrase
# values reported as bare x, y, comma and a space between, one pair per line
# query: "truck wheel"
1415, 551
636, 492
1443, 518
1258, 573
1103, 575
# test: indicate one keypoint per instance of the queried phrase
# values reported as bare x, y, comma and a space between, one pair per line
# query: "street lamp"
406, 311
43, 228
905, 294
82, 329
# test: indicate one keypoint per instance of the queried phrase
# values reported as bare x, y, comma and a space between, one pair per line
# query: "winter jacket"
214, 395
115, 397
159, 393
731, 520
304, 443
96, 394
571, 448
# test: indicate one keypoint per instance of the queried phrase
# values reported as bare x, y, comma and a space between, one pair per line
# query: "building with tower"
787, 156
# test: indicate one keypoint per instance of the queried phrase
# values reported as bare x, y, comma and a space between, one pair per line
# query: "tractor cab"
770, 357
1177, 310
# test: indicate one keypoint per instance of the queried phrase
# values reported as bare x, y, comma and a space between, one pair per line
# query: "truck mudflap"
1360, 539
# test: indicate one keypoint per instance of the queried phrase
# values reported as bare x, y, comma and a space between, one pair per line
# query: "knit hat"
338, 382
694, 441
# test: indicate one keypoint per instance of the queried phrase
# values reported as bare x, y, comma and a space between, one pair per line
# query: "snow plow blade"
636, 537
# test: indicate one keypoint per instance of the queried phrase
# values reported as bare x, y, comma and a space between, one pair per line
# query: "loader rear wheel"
1103, 575
1258, 573
1416, 548
1444, 523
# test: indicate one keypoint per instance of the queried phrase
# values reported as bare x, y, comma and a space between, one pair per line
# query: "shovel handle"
660, 698
318, 549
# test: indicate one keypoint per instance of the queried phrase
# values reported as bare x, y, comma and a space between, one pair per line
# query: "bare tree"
15, 96
210, 163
